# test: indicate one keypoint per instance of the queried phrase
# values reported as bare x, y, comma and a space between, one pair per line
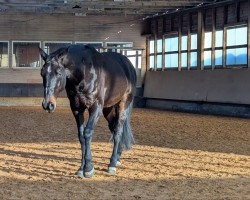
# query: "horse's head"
54, 77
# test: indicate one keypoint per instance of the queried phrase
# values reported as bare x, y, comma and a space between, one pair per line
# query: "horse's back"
118, 62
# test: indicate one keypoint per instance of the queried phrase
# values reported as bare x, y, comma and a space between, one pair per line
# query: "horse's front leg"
94, 114
79, 117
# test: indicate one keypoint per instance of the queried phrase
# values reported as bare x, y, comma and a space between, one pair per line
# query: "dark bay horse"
99, 82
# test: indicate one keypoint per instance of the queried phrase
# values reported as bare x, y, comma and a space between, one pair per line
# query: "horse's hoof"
80, 173
112, 170
118, 163
89, 174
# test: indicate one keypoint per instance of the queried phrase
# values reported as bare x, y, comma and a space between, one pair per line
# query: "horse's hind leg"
111, 115
120, 116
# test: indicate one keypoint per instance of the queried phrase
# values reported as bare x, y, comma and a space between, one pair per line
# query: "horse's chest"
81, 96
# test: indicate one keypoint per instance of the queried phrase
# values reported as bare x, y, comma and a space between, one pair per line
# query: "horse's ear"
43, 54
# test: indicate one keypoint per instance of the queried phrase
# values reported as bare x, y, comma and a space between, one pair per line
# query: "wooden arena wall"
61, 27
223, 84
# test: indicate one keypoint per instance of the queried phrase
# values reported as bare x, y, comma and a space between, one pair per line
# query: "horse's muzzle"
48, 106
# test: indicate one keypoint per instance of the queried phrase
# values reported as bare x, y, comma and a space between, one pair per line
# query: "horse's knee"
88, 133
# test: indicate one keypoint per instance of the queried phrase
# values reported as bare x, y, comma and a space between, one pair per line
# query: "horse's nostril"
44, 105
51, 107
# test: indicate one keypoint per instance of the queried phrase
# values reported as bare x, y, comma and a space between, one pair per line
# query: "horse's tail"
127, 139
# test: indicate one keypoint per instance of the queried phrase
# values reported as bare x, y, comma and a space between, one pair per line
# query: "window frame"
25, 41
226, 28
55, 42
8, 57
165, 53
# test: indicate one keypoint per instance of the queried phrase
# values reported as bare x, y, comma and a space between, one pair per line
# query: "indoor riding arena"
191, 109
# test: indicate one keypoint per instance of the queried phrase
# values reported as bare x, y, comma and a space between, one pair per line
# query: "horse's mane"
89, 46
59, 52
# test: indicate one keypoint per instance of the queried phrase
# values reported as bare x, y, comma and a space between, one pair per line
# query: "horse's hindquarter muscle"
116, 78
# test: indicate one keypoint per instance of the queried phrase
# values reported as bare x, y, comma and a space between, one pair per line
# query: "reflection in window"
171, 60
50, 47
236, 52
193, 41
208, 40
159, 61
218, 57
207, 58
236, 56
171, 52
26, 54
159, 46
171, 44
152, 46
184, 40
151, 62
237, 36
218, 38
184, 60
193, 59
4, 54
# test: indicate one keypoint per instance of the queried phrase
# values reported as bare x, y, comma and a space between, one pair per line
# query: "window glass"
152, 46
26, 54
159, 61
159, 45
151, 62
131, 52
171, 60
139, 62
171, 44
183, 59
236, 56
218, 57
236, 36
193, 41
4, 54
193, 59
208, 40
133, 60
218, 38
207, 58
184, 40
118, 46
50, 47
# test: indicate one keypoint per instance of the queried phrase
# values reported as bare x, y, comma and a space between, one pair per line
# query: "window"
236, 48
135, 57
50, 47
159, 54
4, 54
151, 54
184, 45
118, 46
98, 45
25, 54
171, 52
193, 54
218, 48
208, 49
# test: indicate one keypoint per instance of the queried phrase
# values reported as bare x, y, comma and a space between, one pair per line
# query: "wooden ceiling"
102, 7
